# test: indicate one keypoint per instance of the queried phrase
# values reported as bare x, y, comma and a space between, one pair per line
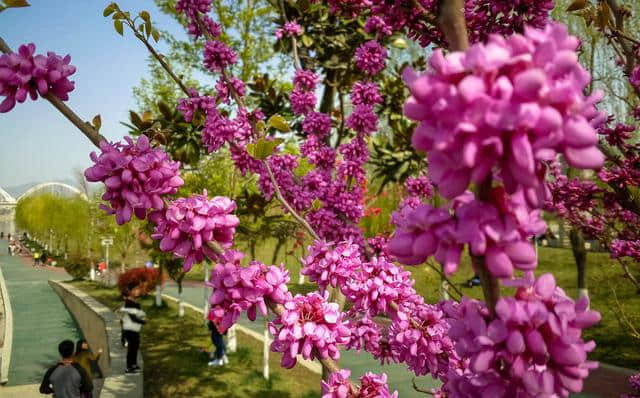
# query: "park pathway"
40, 320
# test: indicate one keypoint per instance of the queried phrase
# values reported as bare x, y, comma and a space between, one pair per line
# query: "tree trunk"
252, 249
580, 256
276, 251
326, 103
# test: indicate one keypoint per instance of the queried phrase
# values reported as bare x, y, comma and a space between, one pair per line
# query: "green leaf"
147, 22
261, 126
307, 41
316, 204
117, 24
135, 119
278, 122
155, 34
400, 43
97, 122
262, 149
108, 10
303, 168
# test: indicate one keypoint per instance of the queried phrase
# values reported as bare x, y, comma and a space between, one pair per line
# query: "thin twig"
294, 41
418, 389
91, 133
443, 276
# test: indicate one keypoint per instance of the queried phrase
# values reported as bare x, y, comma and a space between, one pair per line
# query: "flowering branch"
294, 41
91, 133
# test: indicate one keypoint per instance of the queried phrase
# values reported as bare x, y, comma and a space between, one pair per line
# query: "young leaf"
117, 24
16, 3
108, 10
262, 149
155, 34
316, 204
278, 122
146, 116
577, 5
97, 122
307, 41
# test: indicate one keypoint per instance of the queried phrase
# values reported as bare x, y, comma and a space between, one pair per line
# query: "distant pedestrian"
84, 357
36, 258
43, 257
132, 323
2, 235
220, 356
66, 379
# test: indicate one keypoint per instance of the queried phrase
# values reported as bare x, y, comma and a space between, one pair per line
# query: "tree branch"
452, 24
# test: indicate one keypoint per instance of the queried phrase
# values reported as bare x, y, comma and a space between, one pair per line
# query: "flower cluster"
218, 56
24, 73
532, 346
289, 29
237, 289
331, 267
510, 104
302, 98
189, 106
371, 386
625, 248
420, 339
376, 285
365, 93
189, 224
363, 119
634, 78
634, 382
370, 57
136, 177
220, 129
317, 123
483, 17
367, 334
500, 230
224, 91
309, 326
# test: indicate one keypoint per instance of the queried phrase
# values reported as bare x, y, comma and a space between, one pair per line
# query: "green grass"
175, 366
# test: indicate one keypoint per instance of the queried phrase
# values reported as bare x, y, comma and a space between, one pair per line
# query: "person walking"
66, 379
84, 357
43, 257
36, 258
133, 319
220, 356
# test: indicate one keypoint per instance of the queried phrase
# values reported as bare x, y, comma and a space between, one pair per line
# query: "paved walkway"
40, 320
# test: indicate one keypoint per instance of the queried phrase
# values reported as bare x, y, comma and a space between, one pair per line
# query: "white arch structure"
52, 185
6, 198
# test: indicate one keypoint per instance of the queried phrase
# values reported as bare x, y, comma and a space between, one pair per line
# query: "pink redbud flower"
188, 224
329, 266
237, 289
302, 101
218, 56
422, 342
189, 106
136, 177
289, 29
365, 93
317, 123
309, 326
363, 119
532, 347
634, 78
510, 105
188, 7
212, 28
23, 74
305, 80
370, 57
371, 386
376, 285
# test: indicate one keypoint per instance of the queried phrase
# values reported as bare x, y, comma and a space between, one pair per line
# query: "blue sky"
36, 142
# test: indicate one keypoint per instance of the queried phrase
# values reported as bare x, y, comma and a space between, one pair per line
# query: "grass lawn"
175, 366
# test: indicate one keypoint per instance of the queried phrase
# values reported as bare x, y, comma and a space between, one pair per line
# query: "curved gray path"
40, 320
